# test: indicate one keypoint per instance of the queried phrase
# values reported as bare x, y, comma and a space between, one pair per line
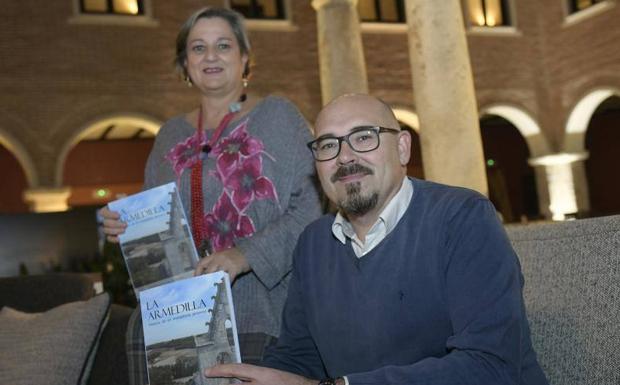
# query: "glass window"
382, 11
260, 9
488, 13
114, 7
580, 5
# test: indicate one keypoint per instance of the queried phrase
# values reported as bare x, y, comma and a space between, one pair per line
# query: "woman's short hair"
233, 18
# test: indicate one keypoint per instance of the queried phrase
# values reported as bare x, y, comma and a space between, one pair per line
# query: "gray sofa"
41, 293
572, 295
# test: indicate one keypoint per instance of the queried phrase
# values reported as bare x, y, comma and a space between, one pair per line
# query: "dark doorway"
13, 185
415, 168
511, 181
603, 142
102, 170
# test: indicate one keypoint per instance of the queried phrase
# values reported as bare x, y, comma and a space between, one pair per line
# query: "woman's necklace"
197, 201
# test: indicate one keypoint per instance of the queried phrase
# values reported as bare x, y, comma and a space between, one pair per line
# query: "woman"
245, 177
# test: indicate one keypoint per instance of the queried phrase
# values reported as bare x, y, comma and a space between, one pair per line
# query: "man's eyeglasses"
361, 139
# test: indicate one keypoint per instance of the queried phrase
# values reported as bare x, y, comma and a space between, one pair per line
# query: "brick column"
444, 96
341, 55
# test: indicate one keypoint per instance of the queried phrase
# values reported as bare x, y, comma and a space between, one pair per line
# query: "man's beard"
355, 203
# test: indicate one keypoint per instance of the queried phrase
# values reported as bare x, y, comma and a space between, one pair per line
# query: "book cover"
189, 326
157, 244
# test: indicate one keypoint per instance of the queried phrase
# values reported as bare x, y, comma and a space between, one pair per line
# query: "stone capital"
45, 200
558, 159
320, 4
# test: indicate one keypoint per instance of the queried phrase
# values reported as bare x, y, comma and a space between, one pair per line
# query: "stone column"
444, 95
341, 55
542, 189
45, 200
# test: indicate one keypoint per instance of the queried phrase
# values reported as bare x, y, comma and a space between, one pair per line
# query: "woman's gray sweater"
259, 295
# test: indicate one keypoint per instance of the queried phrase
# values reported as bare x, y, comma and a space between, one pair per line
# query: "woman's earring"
188, 81
244, 82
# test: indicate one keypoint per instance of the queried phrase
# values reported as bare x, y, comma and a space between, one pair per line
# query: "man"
412, 282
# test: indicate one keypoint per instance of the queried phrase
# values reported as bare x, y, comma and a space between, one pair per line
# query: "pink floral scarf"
239, 167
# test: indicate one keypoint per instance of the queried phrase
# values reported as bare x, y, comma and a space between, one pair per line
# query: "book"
189, 326
157, 244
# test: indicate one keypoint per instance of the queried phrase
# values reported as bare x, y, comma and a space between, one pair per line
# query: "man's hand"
256, 375
231, 261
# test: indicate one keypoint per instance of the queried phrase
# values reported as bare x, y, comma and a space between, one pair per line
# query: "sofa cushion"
54, 347
572, 296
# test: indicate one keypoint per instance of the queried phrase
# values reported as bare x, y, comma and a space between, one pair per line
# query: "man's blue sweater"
438, 301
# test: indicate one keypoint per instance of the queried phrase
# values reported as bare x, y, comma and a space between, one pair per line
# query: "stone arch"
149, 124
408, 117
415, 167
523, 121
580, 116
22, 156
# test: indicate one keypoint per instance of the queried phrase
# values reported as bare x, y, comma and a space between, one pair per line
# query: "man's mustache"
354, 168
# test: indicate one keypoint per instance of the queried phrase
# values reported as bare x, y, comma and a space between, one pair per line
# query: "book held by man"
157, 244
189, 326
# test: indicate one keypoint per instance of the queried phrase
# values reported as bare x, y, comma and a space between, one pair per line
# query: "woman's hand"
230, 260
112, 225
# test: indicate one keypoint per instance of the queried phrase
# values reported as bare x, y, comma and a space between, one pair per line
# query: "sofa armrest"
572, 296
37, 293
110, 365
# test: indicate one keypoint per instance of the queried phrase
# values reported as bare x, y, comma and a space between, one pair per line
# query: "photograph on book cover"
157, 244
189, 325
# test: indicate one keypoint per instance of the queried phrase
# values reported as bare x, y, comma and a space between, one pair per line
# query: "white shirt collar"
387, 221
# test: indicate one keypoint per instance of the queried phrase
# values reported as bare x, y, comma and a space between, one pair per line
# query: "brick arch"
150, 124
528, 127
22, 156
580, 116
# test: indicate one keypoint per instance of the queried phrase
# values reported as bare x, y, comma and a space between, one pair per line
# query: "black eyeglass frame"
345, 138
